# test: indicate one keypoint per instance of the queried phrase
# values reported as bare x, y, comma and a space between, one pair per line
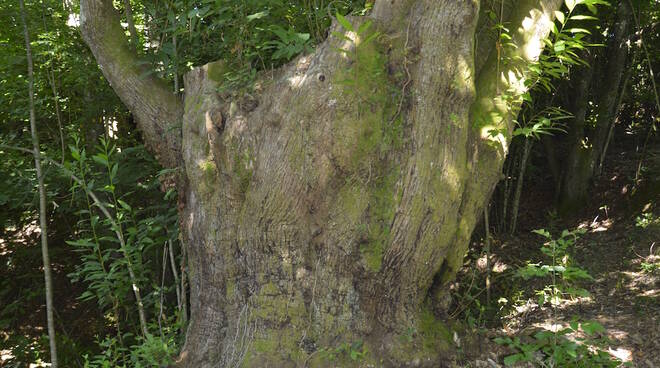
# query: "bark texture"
603, 87
156, 109
329, 204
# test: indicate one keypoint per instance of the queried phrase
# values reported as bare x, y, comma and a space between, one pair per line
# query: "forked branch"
157, 110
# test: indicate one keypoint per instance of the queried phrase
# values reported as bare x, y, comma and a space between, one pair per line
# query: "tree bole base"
427, 342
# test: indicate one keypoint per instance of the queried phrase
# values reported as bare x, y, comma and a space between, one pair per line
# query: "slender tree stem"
115, 302
162, 286
610, 132
184, 295
487, 227
115, 227
655, 91
519, 185
42, 197
175, 274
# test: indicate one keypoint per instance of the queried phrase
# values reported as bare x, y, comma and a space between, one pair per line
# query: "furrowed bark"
325, 207
156, 109
321, 237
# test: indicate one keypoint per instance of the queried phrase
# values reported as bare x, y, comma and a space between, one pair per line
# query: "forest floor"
620, 250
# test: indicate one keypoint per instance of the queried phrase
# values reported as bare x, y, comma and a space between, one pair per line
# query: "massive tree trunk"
327, 206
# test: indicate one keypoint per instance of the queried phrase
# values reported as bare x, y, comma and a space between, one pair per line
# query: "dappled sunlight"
515, 82
500, 267
550, 326
493, 134
300, 77
530, 25
597, 226
73, 20
111, 128
297, 80
347, 45
482, 263
496, 265
625, 355
464, 80
8, 355
451, 176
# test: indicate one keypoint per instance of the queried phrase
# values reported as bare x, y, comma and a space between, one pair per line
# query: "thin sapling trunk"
42, 197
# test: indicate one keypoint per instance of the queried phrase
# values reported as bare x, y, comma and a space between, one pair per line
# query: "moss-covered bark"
319, 216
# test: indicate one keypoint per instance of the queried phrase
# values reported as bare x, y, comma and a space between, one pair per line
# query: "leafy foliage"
564, 273
557, 348
111, 269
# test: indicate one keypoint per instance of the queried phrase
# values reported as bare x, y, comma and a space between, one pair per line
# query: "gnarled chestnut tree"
328, 206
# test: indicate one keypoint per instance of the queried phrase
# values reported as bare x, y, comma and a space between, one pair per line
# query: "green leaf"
578, 30
560, 16
124, 205
554, 30
543, 232
342, 36
74, 152
344, 22
583, 17
364, 27
371, 37
101, 159
591, 328
258, 15
113, 171
512, 359
570, 4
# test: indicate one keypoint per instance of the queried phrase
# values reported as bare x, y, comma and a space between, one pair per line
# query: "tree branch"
157, 110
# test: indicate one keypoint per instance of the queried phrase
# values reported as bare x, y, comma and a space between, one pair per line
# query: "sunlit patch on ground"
623, 354
597, 225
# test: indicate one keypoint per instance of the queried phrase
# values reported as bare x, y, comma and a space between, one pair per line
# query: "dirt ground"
621, 255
